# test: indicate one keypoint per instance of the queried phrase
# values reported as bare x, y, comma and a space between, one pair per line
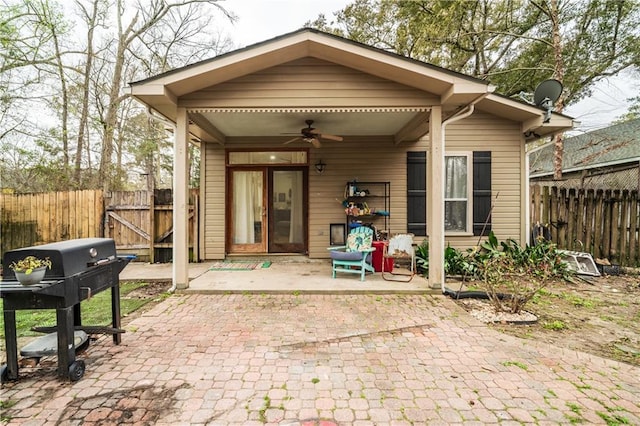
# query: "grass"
95, 311
556, 325
515, 363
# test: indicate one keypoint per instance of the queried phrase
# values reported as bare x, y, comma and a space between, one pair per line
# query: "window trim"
469, 215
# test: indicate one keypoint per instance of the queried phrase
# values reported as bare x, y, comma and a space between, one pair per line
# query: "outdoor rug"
239, 266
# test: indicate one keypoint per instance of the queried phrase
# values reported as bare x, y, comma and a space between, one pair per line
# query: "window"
456, 193
468, 186
268, 157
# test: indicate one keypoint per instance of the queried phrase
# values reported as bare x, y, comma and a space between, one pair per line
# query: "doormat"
238, 266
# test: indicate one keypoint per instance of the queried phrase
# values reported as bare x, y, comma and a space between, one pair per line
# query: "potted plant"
30, 270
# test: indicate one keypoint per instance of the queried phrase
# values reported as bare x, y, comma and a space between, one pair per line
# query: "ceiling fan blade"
331, 137
291, 140
316, 143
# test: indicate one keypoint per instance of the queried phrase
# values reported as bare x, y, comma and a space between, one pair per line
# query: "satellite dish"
546, 94
547, 90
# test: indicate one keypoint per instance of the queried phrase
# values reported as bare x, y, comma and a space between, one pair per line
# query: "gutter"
157, 116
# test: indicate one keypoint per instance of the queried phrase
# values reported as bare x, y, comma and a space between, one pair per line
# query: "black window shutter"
417, 193
481, 192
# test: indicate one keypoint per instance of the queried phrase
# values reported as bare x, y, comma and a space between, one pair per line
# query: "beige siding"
482, 132
378, 159
214, 202
366, 161
362, 159
295, 83
371, 159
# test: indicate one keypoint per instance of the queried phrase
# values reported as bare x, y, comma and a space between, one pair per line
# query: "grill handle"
88, 289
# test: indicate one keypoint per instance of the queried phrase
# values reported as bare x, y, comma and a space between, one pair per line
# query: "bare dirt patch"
601, 317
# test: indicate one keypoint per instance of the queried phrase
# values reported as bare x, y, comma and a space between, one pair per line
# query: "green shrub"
422, 257
513, 275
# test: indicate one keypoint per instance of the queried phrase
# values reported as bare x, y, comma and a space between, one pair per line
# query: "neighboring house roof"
610, 146
452, 90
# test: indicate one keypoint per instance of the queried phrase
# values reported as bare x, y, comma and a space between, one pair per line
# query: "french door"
267, 210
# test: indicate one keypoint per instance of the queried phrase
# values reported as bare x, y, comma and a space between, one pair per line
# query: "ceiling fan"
313, 136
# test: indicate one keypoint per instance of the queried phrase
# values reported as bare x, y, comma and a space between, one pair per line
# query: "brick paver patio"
324, 359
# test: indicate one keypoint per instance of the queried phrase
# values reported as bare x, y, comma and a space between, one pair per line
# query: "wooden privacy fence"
605, 223
140, 222
32, 219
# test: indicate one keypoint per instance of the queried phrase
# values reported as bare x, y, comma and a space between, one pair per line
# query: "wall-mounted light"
320, 166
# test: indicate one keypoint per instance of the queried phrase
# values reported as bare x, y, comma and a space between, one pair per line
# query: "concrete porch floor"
282, 276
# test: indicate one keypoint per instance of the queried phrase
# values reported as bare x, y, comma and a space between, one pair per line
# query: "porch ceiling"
287, 125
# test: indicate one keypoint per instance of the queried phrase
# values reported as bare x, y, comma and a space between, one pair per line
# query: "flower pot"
34, 277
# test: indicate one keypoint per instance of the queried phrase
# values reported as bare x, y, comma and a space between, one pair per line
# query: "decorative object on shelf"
320, 166
30, 270
351, 189
367, 202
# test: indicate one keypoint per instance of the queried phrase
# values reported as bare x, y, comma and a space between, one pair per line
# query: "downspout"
460, 115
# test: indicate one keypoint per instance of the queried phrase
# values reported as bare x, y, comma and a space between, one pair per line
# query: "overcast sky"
260, 20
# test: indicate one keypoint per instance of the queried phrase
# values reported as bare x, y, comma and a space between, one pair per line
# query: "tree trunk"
558, 142
110, 121
84, 113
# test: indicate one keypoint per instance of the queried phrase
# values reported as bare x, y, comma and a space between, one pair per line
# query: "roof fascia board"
464, 87
321, 46
159, 90
535, 120
531, 109
393, 67
532, 123
223, 60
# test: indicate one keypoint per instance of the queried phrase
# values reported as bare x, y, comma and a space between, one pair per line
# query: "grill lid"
67, 257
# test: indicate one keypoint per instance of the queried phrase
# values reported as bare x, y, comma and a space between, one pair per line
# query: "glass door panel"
287, 215
248, 211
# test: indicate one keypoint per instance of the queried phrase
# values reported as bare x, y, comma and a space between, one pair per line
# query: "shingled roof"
613, 145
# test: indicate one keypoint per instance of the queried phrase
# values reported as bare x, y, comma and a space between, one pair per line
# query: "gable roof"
613, 145
451, 90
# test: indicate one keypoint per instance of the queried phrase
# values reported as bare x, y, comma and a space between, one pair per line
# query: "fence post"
571, 219
634, 222
152, 225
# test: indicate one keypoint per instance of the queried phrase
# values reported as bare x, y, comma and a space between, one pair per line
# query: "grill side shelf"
16, 287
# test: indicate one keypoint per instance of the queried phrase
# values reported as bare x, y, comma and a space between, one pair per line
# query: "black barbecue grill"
80, 269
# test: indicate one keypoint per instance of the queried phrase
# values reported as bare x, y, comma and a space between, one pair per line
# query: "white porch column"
435, 199
181, 201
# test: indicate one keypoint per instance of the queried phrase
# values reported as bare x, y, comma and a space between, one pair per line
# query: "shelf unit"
365, 202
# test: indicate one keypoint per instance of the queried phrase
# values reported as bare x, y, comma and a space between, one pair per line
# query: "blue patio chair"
355, 256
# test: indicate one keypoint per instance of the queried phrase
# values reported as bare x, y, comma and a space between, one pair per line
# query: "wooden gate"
141, 223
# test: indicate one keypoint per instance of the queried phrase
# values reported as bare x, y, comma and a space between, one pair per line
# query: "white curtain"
455, 193
247, 205
296, 234
456, 177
